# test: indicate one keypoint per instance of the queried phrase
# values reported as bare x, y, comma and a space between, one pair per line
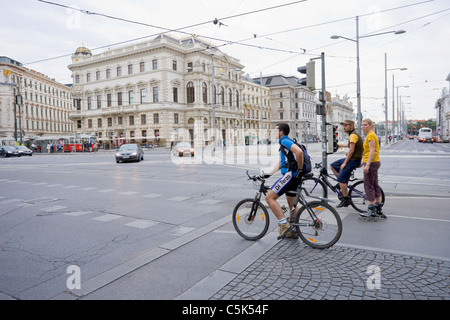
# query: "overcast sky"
268, 37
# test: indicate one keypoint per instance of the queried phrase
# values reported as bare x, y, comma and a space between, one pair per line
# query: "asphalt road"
155, 229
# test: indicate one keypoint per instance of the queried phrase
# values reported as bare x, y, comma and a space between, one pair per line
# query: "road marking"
77, 213
128, 193
418, 218
179, 198
107, 217
209, 201
106, 190
54, 208
141, 224
152, 195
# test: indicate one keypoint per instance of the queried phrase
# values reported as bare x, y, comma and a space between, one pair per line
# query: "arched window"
205, 92
190, 92
230, 97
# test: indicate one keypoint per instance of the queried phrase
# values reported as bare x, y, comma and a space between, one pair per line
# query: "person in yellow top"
371, 162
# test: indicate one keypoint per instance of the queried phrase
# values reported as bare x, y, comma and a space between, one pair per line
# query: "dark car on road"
24, 151
129, 152
8, 151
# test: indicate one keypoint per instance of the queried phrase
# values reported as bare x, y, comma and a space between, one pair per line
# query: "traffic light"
309, 70
335, 139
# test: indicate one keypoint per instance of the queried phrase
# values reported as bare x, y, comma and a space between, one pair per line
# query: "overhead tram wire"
153, 26
226, 42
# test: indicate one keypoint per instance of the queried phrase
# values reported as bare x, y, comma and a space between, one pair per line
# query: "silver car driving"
129, 152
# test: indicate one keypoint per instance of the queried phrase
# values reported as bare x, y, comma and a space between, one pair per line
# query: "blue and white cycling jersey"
285, 141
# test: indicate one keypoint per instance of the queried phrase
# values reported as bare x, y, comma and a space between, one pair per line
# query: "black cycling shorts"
288, 182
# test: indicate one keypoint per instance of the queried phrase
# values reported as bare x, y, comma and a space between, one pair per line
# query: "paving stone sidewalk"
293, 271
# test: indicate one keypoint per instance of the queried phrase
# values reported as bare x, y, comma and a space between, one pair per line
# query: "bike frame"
323, 176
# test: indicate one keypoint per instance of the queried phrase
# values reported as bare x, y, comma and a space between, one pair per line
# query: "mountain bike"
318, 187
317, 223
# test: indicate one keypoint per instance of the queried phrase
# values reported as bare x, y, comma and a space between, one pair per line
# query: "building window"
99, 101
109, 122
97, 75
205, 92
142, 66
143, 119
88, 78
131, 120
99, 122
230, 97
108, 99
175, 118
155, 64
119, 121
281, 115
143, 93
175, 94
237, 98
190, 92
119, 71
130, 69
78, 124
155, 94
190, 66
77, 78
174, 65
156, 118
119, 98
108, 73
89, 123
130, 97
89, 103
222, 96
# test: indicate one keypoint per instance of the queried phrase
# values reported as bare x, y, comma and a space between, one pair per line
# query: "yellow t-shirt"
371, 136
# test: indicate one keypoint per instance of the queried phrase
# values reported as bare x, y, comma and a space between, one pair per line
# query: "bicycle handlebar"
258, 177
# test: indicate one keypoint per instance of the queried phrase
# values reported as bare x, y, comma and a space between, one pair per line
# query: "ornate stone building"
45, 107
293, 104
341, 109
256, 97
159, 91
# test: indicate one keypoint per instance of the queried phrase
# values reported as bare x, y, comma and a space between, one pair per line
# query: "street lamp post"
358, 80
386, 96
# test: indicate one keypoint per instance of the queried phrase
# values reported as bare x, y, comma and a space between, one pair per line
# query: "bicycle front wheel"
318, 224
358, 196
251, 219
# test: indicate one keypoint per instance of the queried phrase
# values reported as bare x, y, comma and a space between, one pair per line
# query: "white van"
426, 135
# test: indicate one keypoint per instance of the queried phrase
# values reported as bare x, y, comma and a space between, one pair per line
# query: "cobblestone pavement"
291, 270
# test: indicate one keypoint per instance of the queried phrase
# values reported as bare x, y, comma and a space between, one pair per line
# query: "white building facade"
442, 106
158, 92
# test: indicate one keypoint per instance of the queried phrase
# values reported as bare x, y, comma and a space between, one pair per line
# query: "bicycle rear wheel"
358, 196
315, 187
322, 228
251, 219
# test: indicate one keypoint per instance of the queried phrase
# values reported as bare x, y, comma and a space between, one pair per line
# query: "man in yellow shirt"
343, 168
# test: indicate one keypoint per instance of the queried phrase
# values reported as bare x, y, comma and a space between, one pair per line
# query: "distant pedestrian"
48, 147
371, 162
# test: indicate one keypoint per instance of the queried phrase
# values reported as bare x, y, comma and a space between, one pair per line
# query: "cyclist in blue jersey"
291, 165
